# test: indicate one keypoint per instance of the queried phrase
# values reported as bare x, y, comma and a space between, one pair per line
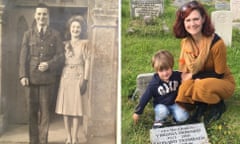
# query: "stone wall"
103, 89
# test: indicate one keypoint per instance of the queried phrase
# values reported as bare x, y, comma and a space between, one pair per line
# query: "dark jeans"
39, 113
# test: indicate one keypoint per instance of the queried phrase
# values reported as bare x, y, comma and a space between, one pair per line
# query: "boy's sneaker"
158, 124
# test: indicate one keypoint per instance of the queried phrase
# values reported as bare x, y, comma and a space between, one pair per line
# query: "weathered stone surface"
142, 82
140, 8
222, 5
179, 3
235, 8
183, 134
222, 21
104, 69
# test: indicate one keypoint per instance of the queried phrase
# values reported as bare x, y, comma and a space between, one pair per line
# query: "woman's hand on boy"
186, 76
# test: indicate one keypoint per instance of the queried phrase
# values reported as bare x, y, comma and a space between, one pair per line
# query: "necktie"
41, 32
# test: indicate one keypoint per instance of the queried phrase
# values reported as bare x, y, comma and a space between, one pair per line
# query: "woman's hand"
186, 76
83, 87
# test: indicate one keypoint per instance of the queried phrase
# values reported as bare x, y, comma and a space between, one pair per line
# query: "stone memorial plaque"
183, 134
141, 8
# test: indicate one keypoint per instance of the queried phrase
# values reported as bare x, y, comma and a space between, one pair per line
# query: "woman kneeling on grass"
207, 80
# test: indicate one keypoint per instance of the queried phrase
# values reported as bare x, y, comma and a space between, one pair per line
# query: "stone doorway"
17, 100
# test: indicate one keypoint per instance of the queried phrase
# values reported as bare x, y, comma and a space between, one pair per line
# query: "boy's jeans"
162, 111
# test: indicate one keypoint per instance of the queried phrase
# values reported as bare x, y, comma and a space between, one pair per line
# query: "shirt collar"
44, 28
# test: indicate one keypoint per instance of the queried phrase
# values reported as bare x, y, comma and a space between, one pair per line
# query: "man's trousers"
39, 112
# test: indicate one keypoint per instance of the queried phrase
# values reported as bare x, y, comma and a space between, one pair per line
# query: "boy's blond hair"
162, 60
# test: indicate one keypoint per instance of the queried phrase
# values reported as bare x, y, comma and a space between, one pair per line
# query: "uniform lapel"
47, 33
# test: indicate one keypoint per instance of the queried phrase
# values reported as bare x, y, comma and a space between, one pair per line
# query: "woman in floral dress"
74, 79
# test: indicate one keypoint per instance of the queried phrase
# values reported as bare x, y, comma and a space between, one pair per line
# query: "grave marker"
206, 1
222, 21
222, 5
181, 134
142, 83
179, 3
141, 8
235, 8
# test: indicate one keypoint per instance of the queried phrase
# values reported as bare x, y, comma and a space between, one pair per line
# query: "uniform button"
41, 55
41, 47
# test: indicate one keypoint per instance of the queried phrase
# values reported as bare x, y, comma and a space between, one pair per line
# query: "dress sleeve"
219, 57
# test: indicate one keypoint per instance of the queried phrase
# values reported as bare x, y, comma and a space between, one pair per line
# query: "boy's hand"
135, 118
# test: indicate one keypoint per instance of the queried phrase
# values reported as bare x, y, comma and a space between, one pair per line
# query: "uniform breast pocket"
33, 48
51, 48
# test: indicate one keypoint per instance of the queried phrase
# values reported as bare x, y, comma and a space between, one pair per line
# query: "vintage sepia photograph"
180, 71
59, 71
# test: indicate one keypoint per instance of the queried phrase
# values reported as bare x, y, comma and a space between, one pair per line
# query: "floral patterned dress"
69, 100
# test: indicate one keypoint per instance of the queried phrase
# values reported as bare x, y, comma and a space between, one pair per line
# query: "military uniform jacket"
34, 50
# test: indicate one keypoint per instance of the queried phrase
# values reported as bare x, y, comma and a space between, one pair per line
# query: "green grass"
137, 49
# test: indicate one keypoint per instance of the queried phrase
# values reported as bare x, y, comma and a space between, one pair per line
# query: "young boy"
163, 89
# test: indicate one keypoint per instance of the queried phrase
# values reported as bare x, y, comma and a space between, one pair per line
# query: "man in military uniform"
41, 55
